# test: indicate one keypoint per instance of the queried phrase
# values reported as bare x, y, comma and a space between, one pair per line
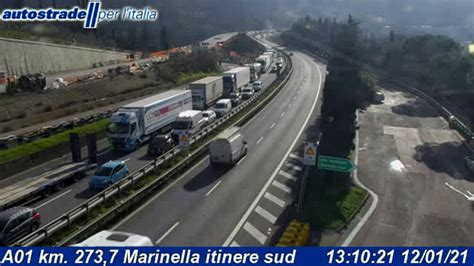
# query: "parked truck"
266, 62
235, 79
25, 191
26, 83
206, 92
135, 123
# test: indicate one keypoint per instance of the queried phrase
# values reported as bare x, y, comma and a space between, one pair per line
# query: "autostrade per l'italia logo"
91, 17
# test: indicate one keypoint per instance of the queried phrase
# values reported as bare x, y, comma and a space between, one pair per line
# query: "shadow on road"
86, 194
206, 177
415, 108
446, 158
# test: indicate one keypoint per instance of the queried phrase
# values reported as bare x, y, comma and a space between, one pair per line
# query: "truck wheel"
46, 192
33, 227
59, 186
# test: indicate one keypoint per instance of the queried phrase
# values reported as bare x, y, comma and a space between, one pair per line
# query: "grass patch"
45, 143
184, 78
331, 200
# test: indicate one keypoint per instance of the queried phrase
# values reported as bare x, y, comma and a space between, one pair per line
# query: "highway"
413, 162
211, 206
73, 195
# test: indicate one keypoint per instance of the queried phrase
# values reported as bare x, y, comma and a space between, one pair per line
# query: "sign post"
336, 164
184, 141
309, 154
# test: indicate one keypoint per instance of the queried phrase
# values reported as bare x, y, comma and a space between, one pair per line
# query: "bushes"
45, 143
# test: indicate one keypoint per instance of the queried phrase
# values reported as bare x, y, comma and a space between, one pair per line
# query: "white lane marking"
261, 238
167, 233
296, 157
53, 199
259, 140
274, 199
289, 105
241, 160
287, 175
469, 196
266, 214
273, 125
294, 97
281, 186
282, 114
213, 188
374, 196
272, 177
158, 195
234, 244
294, 166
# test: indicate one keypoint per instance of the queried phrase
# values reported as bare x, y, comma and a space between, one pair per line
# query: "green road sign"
336, 164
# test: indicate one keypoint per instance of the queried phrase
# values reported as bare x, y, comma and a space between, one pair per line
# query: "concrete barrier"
21, 57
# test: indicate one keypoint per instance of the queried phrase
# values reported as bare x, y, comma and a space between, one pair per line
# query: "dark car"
235, 98
160, 144
17, 222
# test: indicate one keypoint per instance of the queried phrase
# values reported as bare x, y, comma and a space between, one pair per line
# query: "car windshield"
104, 171
247, 90
182, 125
205, 114
221, 106
118, 128
234, 96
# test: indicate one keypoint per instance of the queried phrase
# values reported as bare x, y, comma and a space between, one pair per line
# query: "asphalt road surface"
72, 196
207, 206
414, 163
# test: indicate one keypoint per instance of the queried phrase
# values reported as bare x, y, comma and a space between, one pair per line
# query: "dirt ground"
25, 109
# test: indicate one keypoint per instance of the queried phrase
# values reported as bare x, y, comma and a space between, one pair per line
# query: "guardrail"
453, 121
83, 209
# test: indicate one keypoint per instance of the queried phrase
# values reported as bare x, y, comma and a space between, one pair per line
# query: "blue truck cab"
108, 174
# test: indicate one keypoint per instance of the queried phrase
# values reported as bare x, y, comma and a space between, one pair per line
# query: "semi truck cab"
124, 131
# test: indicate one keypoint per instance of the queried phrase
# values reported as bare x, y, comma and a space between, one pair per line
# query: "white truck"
135, 123
228, 147
235, 79
115, 239
206, 92
255, 70
31, 189
188, 122
266, 62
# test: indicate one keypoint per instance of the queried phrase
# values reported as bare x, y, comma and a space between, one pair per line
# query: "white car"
222, 107
470, 162
209, 116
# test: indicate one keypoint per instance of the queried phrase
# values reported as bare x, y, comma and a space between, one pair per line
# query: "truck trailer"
28, 190
206, 92
266, 62
135, 123
235, 79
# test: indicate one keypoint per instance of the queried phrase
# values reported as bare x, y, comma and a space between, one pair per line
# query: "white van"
115, 239
188, 122
222, 107
228, 147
